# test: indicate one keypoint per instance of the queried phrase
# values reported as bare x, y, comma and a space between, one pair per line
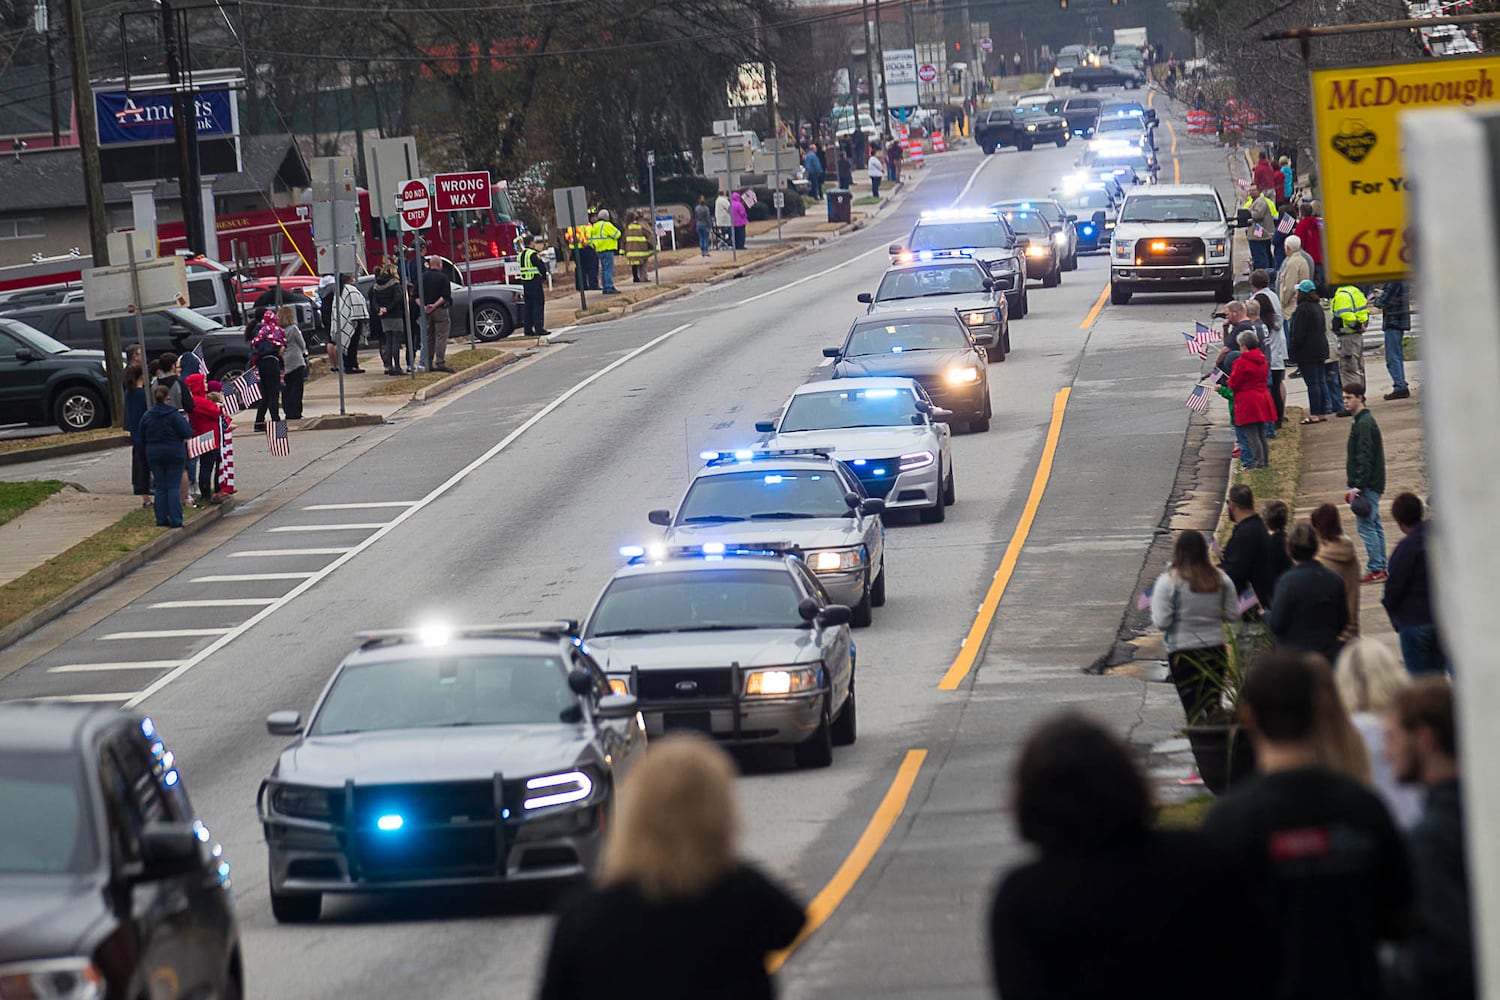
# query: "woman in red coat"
1250, 378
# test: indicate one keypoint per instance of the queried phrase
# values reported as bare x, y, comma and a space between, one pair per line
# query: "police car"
801, 497
745, 646
985, 236
886, 430
1044, 255
950, 278
1093, 203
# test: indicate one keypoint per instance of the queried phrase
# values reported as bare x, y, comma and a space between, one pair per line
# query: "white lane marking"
88, 668
249, 577
362, 506
86, 698
164, 633
816, 274
272, 553
974, 177
400, 519
225, 602
369, 526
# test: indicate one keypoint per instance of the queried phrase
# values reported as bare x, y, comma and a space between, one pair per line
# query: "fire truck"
247, 238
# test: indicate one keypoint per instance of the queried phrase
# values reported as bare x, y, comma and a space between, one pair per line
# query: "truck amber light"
1158, 246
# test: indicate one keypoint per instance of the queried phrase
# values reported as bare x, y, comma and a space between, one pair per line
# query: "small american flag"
247, 388
1194, 348
201, 445
1248, 600
1216, 376
231, 404
1197, 399
1204, 335
276, 438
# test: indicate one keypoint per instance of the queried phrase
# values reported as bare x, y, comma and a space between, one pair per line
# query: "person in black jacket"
1437, 961
1082, 801
1246, 558
677, 915
1408, 595
1275, 515
1310, 609
1307, 346
164, 432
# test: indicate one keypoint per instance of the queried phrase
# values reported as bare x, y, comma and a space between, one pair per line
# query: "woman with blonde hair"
671, 877
1340, 746
1369, 677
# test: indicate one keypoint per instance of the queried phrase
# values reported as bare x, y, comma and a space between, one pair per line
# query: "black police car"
43, 381
109, 886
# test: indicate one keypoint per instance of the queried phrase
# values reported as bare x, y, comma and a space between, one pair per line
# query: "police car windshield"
437, 691
721, 600
940, 279
826, 411
958, 235
44, 815
1171, 208
1089, 198
1126, 124
763, 494
899, 336
1027, 222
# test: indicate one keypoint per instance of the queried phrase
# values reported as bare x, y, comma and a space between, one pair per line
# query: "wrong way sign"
462, 192
416, 205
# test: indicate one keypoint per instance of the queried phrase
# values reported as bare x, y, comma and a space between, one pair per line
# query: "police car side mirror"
941, 415
1071, 218
765, 426
616, 706
579, 682
989, 284
661, 517
168, 850
895, 248
872, 505
852, 499
864, 297
984, 339
284, 723
831, 352
835, 614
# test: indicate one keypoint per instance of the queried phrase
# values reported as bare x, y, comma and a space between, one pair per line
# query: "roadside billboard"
901, 78
1366, 234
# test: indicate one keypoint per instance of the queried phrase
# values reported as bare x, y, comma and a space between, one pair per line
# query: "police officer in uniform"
533, 271
1351, 312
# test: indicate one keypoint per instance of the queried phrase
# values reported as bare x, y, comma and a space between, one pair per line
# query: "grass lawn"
406, 385
867, 200
59, 574
47, 440
17, 498
1280, 480
1185, 815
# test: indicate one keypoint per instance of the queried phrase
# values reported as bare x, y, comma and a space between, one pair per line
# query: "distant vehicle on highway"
1082, 114
981, 233
445, 756
110, 884
44, 381
1044, 254
1107, 75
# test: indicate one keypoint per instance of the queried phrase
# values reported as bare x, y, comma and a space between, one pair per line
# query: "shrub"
765, 208
685, 190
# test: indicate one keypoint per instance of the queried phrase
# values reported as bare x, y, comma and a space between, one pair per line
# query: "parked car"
43, 381
174, 330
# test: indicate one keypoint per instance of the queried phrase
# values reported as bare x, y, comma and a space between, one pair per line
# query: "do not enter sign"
416, 205
927, 72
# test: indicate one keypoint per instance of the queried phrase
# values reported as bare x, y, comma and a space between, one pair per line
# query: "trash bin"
839, 200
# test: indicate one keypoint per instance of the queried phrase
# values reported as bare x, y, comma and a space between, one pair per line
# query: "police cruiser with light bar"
984, 235
445, 756
742, 645
802, 497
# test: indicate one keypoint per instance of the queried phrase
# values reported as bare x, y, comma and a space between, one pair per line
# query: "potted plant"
1220, 747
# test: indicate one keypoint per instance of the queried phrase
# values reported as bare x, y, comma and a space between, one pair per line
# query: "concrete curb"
63, 450
340, 421
110, 574
466, 376
630, 308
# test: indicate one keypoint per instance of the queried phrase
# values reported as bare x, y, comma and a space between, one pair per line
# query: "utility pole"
911, 26
93, 192
44, 28
869, 72
885, 102
185, 124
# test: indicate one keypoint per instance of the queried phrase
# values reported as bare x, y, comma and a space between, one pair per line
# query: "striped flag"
1197, 399
1194, 348
201, 445
231, 404
1248, 600
1204, 335
276, 438
247, 388
1216, 376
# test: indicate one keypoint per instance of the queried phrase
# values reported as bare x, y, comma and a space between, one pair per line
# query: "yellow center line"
1088, 320
969, 651
1173, 133
1176, 171
880, 826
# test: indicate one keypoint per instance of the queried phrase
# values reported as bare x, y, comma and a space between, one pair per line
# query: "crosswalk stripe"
166, 633
331, 527
87, 668
273, 553
227, 602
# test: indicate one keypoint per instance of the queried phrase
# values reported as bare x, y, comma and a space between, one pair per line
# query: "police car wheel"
863, 613
877, 589
296, 908
817, 749
950, 494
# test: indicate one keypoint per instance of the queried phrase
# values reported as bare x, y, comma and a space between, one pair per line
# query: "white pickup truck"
1172, 238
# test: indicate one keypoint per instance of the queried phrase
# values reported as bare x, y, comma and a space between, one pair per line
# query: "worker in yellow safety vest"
1351, 311
638, 247
588, 259
606, 239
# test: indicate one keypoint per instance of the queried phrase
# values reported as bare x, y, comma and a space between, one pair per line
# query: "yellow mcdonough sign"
1365, 236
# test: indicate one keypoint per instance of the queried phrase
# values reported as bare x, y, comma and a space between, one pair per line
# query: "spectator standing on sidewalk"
135, 409
893, 157
1276, 515
1368, 680
1253, 409
1408, 594
206, 419
1263, 219
1364, 469
1437, 961
1265, 175
876, 169
165, 431
845, 168
1274, 340
294, 361
266, 351
1351, 313
1309, 231
1190, 603
1323, 854
739, 218
1309, 612
703, 221
1394, 303
1081, 800
387, 309
671, 872
1296, 267
813, 164
722, 220
1245, 559
1336, 551
352, 310
437, 298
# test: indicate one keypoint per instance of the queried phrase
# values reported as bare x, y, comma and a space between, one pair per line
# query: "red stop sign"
416, 205
927, 72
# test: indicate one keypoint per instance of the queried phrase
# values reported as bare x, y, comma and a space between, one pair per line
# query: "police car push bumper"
762, 705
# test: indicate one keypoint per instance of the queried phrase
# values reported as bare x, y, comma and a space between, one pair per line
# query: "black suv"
44, 382
109, 885
175, 330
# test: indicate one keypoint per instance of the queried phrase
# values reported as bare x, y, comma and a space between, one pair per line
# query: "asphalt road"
510, 502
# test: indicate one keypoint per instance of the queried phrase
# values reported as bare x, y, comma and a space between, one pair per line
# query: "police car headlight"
1031, 128
966, 375
63, 978
836, 560
1060, 238
915, 460
1217, 248
780, 681
982, 317
301, 800
1123, 250
557, 789
1037, 250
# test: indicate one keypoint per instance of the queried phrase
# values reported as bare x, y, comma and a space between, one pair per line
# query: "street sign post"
986, 45
466, 192
416, 205
571, 204
392, 161
655, 240
927, 73
134, 288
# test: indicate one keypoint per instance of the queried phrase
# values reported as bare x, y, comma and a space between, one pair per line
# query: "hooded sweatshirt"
205, 413
1338, 555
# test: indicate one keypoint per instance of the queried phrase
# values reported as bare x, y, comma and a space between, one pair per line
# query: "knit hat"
1306, 286
216, 386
